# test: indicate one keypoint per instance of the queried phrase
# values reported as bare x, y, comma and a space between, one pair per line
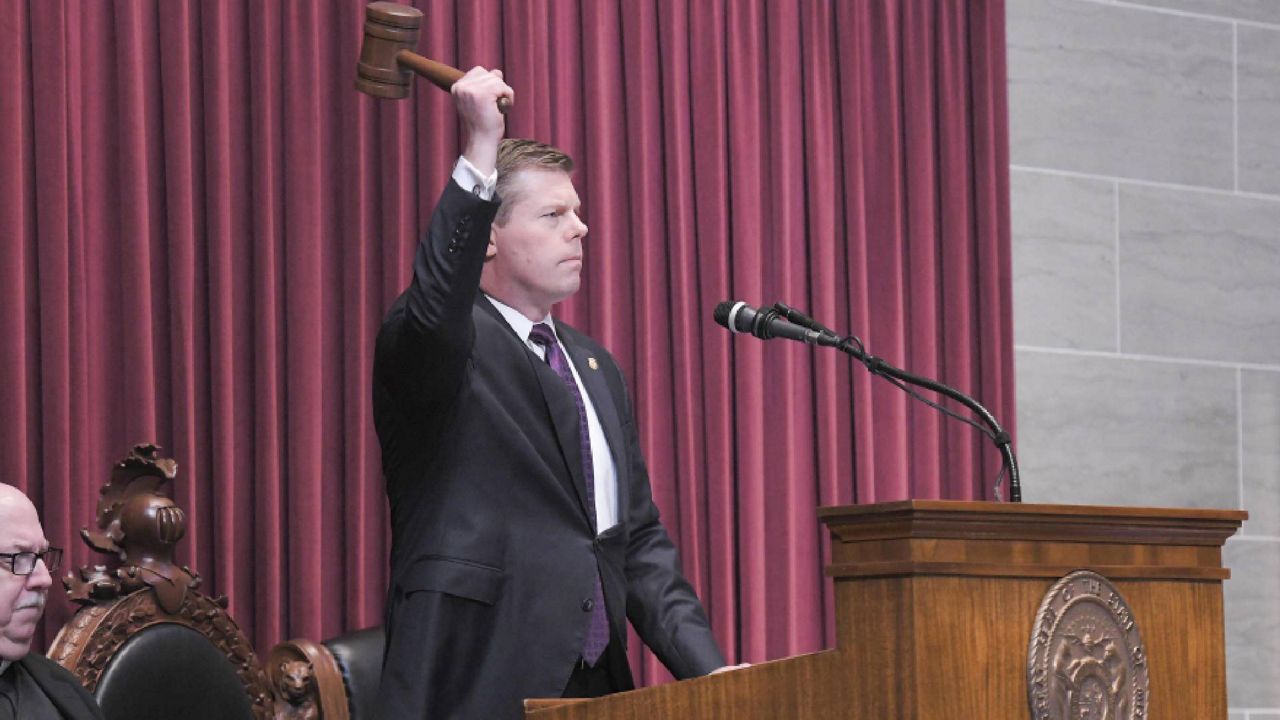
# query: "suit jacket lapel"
561, 408
564, 417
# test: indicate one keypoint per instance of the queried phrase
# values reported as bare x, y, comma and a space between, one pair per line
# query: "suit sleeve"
661, 604
427, 336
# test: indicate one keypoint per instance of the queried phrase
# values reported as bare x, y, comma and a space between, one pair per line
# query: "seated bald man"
32, 687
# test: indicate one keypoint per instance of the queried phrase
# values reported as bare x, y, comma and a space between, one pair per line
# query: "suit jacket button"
588, 604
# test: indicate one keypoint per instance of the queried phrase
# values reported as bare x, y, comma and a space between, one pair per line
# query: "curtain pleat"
203, 223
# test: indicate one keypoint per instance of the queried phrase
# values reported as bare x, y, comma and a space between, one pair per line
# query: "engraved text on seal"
1086, 660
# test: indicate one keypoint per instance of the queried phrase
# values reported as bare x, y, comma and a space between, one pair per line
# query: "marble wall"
1145, 148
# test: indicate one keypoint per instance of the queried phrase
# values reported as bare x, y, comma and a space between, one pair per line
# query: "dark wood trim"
1115, 572
1009, 521
535, 704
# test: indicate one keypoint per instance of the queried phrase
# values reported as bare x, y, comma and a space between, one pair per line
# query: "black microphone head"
722, 313
737, 316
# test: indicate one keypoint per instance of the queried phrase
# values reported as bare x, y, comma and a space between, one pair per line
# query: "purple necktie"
598, 629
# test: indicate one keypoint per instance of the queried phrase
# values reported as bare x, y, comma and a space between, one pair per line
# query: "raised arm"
427, 336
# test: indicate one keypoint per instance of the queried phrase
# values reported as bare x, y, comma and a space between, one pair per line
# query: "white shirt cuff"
470, 179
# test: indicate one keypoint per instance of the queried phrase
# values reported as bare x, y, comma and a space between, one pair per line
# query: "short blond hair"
516, 154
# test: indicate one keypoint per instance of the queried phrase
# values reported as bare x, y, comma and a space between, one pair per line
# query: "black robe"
45, 687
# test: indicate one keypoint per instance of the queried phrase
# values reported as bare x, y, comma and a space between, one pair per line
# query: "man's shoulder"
583, 341
47, 673
36, 663
43, 669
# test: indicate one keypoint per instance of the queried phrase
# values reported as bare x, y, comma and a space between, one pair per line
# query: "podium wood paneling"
935, 602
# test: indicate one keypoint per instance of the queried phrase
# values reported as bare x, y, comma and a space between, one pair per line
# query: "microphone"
740, 317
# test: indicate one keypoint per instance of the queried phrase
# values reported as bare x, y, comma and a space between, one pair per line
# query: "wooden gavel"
387, 57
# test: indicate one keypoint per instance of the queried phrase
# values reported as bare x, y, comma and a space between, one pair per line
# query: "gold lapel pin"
591, 363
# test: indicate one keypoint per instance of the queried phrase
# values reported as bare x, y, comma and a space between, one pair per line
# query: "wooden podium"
935, 606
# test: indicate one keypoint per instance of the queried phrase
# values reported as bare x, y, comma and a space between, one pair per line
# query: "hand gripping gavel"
387, 56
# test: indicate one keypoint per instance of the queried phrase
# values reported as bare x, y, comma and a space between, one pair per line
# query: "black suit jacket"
61, 687
493, 554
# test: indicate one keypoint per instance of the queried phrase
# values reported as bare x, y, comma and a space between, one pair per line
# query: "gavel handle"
444, 76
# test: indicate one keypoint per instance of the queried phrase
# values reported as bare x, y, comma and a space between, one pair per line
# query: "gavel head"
388, 28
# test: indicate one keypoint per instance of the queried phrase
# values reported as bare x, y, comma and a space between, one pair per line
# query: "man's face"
22, 597
536, 256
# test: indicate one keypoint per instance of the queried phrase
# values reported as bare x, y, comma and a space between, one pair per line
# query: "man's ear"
492, 251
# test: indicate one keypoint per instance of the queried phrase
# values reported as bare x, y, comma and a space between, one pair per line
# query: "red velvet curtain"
202, 223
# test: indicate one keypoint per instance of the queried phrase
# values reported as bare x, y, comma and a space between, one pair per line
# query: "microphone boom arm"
1003, 442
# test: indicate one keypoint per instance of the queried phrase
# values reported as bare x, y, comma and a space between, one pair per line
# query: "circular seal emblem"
1086, 660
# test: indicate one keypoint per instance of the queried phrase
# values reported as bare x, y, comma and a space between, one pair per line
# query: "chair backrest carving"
307, 682
339, 677
140, 589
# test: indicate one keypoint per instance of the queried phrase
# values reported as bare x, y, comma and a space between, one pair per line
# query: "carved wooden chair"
145, 641
338, 677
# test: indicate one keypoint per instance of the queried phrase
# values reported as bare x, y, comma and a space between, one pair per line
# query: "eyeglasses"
24, 563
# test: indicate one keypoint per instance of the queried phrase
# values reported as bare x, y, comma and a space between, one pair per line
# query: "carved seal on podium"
1086, 660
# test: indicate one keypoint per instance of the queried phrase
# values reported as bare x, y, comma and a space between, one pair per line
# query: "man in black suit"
524, 533
32, 687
